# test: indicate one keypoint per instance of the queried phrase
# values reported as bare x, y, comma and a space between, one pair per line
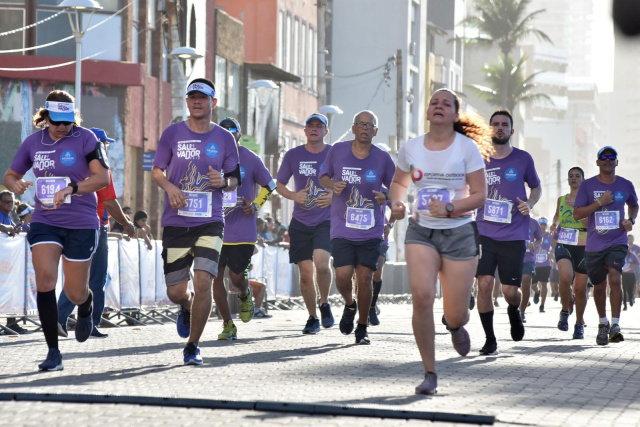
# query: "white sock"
615, 320
604, 320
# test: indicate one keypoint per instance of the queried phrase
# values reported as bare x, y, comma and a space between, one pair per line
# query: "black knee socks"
48, 311
84, 309
377, 286
487, 324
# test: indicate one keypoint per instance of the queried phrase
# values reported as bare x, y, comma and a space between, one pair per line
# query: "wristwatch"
255, 207
450, 208
226, 183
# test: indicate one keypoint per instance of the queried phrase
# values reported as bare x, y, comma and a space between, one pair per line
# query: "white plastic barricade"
161, 285
277, 271
147, 273
12, 274
112, 287
31, 292
257, 260
129, 274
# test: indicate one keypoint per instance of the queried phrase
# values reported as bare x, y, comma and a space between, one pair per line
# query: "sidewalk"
546, 379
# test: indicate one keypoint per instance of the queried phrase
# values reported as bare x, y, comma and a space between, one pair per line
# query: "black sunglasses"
54, 123
608, 156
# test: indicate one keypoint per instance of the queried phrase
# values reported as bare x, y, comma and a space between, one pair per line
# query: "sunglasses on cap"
232, 130
608, 156
54, 123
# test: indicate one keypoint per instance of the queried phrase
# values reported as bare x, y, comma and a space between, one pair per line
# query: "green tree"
504, 23
518, 88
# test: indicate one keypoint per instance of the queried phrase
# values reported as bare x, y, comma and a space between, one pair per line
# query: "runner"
602, 199
193, 152
240, 233
309, 230
503, 224
107, 206
356, 171
447, 170
543, 265
631, 264
569, 256
70, 165
529, 263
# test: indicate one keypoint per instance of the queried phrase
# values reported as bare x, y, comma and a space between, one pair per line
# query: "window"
287, 44
234, 87
281, 27
151, 14
303, 54
415, 33
221, 81
314, 56
296, 47
10, 19
312, 71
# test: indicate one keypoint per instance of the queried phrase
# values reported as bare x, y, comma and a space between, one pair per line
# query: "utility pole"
558, 178
399, 101
322, 52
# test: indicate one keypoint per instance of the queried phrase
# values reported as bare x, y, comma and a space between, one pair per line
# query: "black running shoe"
373, 317
361, 335
490, 348
472, 302
536, 297
515, 318
346, 322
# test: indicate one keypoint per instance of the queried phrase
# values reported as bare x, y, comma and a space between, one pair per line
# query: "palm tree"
503, 23
518, 88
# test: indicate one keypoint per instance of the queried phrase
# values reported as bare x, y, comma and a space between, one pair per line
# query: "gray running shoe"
603, 334
460, 340
614, 334
563, 323
429, 385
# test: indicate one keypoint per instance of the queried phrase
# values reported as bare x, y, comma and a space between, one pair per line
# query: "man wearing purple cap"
602, 199
108, 205
201, 160
310, 243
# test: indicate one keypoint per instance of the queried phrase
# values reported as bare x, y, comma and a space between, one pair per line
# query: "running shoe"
524, 319
326, 316
192, 355
361, 335
460, 340
495, 303
624, 307
490, 348
472, 302
373, 317
259, 313
229, 331
183, 322
563, 323
555, 298
578, 331
542, 309
18, 329
84, 326
515, 318
53, 362
603, 334
614, 334
429, 385
95, 333
572, 302
62, 331
444, 320
346, 322
536, 297
312, 327
377, 310
246, 306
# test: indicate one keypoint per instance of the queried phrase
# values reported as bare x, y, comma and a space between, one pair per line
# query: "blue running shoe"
326, 315
53, 362
84, 326
192, 355
312, 327
183, 322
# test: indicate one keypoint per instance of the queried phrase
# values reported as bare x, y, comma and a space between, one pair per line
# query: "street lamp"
329, 111
264, 89
184, 54
79, 6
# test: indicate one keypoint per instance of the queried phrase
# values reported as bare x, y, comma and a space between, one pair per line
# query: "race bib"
497, 211
568, 236
198, 204
47, 187
424, 197
229, 198
359, 218
607, 220
540, 258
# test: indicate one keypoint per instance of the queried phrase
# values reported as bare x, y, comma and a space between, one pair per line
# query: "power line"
26, 49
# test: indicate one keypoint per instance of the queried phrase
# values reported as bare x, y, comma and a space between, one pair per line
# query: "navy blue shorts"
77, 245
303, 240
349, 252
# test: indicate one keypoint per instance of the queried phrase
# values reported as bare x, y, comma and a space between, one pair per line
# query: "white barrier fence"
135, 275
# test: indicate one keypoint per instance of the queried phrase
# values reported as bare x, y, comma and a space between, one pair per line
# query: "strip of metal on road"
264, 406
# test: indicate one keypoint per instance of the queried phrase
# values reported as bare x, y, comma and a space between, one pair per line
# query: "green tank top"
566, 216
